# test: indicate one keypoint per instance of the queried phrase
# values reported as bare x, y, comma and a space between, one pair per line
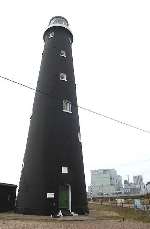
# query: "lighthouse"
52, 177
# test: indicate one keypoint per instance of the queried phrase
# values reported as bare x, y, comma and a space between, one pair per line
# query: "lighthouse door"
64, 197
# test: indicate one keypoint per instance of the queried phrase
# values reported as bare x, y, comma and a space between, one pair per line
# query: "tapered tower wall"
54, 135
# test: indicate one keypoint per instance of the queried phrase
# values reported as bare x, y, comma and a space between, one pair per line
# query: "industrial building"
137, 187
104, 182
52, 177
130, 188
138, 180
7, 197
148, 187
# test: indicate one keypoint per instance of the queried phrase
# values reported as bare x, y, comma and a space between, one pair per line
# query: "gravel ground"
97, 219
109, 224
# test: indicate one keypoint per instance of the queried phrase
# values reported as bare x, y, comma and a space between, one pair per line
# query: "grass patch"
126, 213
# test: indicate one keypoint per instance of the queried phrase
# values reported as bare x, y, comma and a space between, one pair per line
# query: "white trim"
51, 35
70, 40
70, 112
69, 197
50, 195
63, 76
59, 25
79, 136
63, 53
67, 106
64, 169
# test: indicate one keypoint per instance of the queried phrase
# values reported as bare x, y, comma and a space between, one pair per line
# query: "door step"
66, 212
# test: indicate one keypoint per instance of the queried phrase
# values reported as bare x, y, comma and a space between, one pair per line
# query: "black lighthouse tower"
52, 177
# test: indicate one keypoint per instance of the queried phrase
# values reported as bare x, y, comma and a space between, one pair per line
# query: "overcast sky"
111, 52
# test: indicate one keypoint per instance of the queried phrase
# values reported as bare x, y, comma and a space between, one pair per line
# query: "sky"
111, 53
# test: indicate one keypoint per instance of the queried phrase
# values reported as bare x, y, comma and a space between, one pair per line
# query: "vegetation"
121, 213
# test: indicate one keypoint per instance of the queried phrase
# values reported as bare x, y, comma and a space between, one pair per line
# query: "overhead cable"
83, 108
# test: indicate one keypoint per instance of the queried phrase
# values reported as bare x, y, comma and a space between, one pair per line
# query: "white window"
63, 53
50, 195
70, 40
64, 169
79, 136
51, 35
63, 76
66, 106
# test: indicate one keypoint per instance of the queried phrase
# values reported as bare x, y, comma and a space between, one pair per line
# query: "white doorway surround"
69, 197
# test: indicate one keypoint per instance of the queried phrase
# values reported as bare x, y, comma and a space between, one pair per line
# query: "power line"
83, 108
115, 120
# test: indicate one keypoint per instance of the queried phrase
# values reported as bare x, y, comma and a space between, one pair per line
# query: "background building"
104, 182
138, 180
148, 187
130, 188
135, 187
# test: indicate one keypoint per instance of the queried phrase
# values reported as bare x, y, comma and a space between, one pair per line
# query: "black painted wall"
7, 197
53, 135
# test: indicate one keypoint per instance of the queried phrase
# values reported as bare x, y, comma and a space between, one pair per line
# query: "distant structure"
104, 182
7, 197
137, 187
52, 178
130, 188
148, 187
138, 180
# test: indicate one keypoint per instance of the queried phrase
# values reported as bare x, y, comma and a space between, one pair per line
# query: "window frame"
51, 35
79, 136
64, 170
67, 106
63, 75
63, 53
70, 41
